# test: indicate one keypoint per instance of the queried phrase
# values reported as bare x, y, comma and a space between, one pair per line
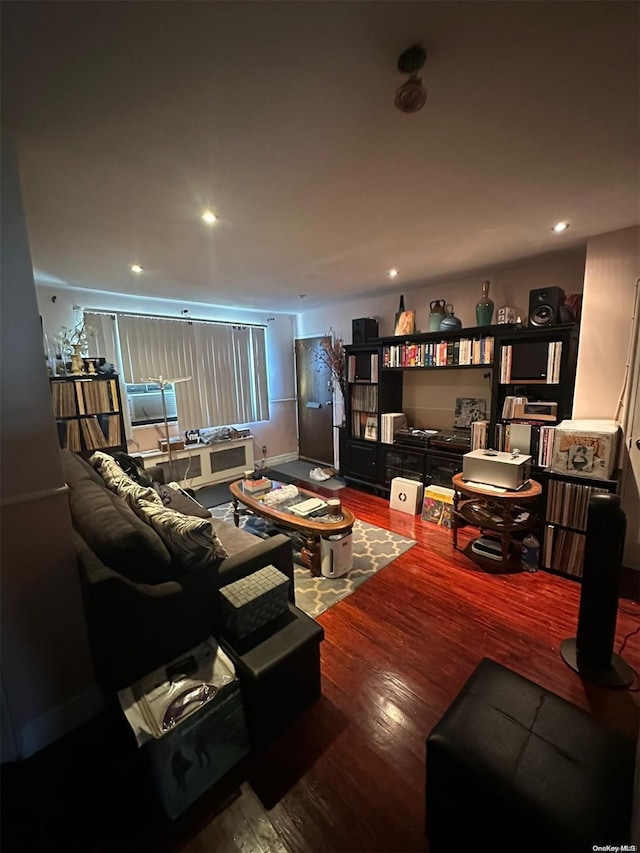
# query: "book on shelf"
390, 423
92, 434
479, 434
563, 550
445, 353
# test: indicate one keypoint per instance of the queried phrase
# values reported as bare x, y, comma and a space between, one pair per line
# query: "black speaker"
591, 653
364, 329
544, 306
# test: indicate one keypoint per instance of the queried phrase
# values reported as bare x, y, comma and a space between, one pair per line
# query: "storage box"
254, 487
437, 506
251, 602
496, 468
406, 495
203, 739
586, 448
176, 444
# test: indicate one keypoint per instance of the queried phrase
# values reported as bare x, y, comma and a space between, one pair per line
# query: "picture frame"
405, 323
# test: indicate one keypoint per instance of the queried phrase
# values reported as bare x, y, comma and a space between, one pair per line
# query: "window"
226, 364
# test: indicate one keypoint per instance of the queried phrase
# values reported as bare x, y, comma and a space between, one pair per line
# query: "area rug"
299, 469
373, 549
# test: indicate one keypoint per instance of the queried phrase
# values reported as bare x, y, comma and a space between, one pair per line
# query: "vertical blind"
227, 365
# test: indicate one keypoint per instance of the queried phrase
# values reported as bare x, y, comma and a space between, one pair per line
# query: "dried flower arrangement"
79, 336
332, 355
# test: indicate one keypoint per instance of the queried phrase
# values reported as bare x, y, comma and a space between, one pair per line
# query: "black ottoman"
511, 766
279, 671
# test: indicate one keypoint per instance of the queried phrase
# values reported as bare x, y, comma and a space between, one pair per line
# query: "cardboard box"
586, 448
496, 468
176, 444
437, 506
406, 495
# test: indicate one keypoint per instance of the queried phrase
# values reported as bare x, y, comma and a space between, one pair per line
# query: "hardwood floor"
349, 774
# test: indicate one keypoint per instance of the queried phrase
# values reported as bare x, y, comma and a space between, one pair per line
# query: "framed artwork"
468, 410
405, 323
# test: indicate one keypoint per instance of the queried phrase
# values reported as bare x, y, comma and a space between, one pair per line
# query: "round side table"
502, 512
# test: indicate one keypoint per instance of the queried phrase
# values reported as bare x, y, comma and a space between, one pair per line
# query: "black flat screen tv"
529, 361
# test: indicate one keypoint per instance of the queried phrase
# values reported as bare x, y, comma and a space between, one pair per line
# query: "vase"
437, 314
77, 365
450, 322
484, 308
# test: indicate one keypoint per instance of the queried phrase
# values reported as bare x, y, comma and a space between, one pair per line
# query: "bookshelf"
88, 412
565, 523
511, 354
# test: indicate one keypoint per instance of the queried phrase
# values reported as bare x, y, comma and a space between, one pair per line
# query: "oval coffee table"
313, 528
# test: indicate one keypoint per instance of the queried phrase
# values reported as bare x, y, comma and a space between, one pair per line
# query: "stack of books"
390, 423
253, 487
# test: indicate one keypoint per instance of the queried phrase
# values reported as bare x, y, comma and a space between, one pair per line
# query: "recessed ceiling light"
302, 296
393, 273
559, 227
136, 268
209, 217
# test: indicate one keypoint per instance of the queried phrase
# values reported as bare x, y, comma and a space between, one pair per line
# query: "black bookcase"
88, 412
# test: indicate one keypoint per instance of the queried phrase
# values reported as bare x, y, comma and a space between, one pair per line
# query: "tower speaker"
544, 306
364, 329
591, 653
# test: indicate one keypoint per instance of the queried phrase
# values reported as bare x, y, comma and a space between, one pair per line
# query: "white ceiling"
131, 117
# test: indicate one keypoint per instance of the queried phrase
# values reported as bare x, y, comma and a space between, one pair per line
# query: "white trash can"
336, 555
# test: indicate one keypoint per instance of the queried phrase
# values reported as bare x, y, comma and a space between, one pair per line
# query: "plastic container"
530, 553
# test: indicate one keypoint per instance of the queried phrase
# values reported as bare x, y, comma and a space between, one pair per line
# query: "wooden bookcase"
88, 411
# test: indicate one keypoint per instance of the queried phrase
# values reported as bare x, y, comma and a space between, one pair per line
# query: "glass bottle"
484, 308
401, 306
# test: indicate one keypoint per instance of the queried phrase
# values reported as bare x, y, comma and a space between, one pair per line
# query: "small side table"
504, 513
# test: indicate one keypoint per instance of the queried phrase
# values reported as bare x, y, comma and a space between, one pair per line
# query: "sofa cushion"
120, 482
75, 469
192, 542
119, 538
234, 539
180, 502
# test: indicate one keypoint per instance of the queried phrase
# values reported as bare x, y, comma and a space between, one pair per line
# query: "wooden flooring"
349, 774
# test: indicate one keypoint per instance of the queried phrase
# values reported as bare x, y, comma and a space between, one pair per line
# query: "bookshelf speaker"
364, 329
544, 306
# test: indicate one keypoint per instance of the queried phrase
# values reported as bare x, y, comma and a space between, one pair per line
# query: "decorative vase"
484, 308
401, 306
77, 365
436, 314
450, 322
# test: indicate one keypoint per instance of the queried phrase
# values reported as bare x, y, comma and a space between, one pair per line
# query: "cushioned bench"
511, 766
279, 671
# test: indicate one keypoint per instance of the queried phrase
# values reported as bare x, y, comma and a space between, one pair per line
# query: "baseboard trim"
60, 721
280, 460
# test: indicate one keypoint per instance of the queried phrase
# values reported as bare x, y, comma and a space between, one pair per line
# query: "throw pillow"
191, 541
120, 482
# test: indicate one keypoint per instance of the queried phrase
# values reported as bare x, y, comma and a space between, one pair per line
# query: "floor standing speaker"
364, 329
591, 653
544, 306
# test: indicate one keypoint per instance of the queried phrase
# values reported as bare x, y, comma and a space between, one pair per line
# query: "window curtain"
226, 363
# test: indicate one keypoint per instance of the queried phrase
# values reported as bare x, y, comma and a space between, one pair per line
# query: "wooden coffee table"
504, 513
312, 529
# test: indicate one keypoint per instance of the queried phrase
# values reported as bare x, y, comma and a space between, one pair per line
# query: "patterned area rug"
373, 549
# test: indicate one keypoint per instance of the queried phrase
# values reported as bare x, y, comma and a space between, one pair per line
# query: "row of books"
479, 435
462, 352
84, 397
563, 550
364, 425
92, 432
511, 406
568, 503
390, 423
364, 398
531, 438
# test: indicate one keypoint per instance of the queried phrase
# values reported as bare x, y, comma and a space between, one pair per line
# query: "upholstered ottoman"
279, 671
511, 766
252, 602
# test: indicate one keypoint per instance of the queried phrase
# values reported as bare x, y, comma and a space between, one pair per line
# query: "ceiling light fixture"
412, 95
209, 217
136, 268
302, 296
559, 227
393, 273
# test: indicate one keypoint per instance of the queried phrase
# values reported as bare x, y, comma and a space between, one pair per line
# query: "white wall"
611, 272
279, 434
47, 675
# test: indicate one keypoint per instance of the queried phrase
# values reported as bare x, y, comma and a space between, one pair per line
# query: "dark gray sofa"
142, 609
